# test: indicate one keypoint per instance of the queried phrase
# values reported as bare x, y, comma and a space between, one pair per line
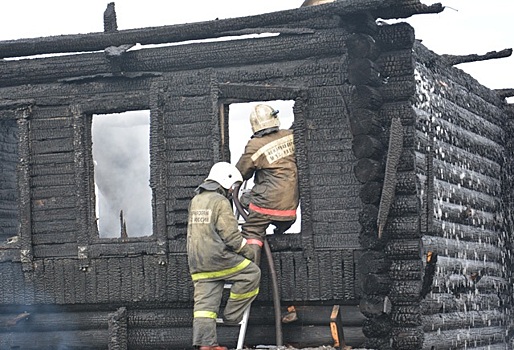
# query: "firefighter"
217, 252
269, 157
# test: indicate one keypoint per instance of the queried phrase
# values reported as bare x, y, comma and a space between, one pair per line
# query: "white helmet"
263, 117
224, 174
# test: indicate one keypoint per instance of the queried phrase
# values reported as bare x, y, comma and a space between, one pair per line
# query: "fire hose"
273, 274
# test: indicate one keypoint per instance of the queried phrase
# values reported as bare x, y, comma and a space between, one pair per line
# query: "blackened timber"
452, 60
395, 64
466, 118
463, 320
362, 46
485, 102
396, 36
459, 337
464, 266
366, 97
366, 146
404, 249
405, 291
24, 183
95, 339
370, 192
436, 303
462, 158
407, 314
406, 270
204, 30
363, 71
366, 169
460, 137
192, 56
398, 88
504, 93
465, 232
365, 121
467, 215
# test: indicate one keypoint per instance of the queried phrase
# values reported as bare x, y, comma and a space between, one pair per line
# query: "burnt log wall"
353, 84
460, 161
66, 268
382, 122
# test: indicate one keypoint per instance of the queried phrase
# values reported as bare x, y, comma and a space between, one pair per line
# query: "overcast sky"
464, 27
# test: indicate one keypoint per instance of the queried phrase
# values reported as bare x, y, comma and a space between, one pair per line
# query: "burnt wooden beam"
436, 303
394, 152
465, 232
94, 338
504, 93
24, 183
452, 60
453, 248
458, 338
207, 29
173, 58
110, 23
463, 320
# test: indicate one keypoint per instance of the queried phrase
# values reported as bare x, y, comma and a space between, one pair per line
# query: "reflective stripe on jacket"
272, 159
213, 238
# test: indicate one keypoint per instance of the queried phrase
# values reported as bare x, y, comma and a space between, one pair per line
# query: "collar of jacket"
267, 131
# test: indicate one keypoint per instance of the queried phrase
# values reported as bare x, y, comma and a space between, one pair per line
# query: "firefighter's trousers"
207, 298
256, 224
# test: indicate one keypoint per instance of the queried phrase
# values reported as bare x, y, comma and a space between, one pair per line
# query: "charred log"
451, 339
504, 93
452, 60
365, 122
364, 72
463, 320
436, 303
368, 170
366, 146
362, 46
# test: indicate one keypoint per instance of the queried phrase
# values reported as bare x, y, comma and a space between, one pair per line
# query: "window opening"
9, 158
121, 158
240, 131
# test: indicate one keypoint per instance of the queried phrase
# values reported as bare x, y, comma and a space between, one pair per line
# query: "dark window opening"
240, 131
121, 158
9, 158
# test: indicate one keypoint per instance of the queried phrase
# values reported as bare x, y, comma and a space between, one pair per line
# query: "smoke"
122, 173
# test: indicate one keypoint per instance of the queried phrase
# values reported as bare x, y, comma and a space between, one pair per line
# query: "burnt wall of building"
381, 67
69, 269
461, 166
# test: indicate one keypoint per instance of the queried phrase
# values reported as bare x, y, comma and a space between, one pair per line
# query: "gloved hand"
248, 252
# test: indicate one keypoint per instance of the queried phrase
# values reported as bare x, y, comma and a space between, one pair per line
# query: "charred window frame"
89, 243
240, 93
15, 205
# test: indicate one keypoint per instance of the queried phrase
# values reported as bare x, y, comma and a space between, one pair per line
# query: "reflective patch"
202, 216
276, 150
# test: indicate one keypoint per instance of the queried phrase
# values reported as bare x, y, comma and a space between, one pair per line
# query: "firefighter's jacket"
271, 157
213, 238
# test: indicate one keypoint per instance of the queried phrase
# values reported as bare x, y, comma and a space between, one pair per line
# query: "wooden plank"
84, 339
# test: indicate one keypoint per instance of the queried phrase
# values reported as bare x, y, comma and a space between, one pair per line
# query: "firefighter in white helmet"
217, 252
269, 157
